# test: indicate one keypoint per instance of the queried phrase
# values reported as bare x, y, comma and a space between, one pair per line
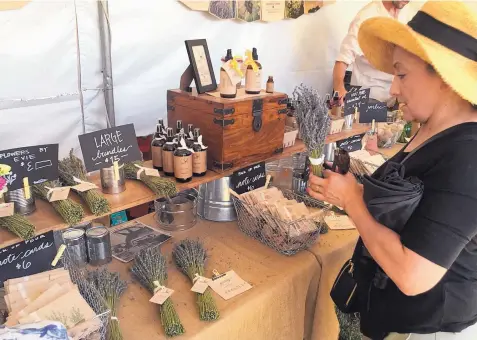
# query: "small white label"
342, 222
58, 194
152, 172
161, 295
229, 285
6, 209
201, 284
85, 186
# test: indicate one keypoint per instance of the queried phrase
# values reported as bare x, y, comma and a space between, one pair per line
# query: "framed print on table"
201, 65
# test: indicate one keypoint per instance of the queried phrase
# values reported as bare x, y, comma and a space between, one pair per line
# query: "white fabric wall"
39, 61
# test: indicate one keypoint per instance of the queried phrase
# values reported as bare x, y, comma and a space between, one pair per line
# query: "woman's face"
418, 89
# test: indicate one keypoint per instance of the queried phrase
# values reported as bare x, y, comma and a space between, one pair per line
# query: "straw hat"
442, 33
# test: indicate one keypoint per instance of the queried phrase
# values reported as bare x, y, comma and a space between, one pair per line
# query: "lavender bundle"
72, 168
71, 212
159, 185
314, 124
110, 287
150, 269
190, 257
18, 225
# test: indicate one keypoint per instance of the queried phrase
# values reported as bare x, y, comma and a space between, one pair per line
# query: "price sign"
249, 178
27, 257
37, 163
374, 110
356, 99
351, 144
104, 147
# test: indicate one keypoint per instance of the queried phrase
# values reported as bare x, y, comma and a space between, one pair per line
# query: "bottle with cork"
226, 87
270, 88
253, 79
156, 148
183, 163
168, 154
199, 158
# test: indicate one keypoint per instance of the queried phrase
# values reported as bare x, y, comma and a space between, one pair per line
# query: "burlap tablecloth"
280, 305
332, 250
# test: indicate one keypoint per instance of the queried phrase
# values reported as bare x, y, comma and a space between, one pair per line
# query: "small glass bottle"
372, 138
168, 154
270, 85
199, 158
183, 164
253, 80
190, 136
156, 148
226, 88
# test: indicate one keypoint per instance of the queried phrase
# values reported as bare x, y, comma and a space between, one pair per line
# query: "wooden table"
45, 217
279, 306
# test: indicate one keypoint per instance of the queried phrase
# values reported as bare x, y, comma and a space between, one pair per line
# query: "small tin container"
75, 245
21, 205
111, 185
98, 242
84, 226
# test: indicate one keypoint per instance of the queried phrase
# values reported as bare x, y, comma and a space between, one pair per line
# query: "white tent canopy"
51, 85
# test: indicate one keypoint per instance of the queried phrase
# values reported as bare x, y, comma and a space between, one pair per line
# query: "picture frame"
202, 69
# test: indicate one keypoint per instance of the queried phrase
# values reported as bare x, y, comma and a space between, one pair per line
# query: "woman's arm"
412, 273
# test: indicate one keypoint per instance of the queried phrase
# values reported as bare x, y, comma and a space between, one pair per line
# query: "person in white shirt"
364, 74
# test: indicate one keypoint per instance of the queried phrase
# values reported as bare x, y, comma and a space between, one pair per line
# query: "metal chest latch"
257, 110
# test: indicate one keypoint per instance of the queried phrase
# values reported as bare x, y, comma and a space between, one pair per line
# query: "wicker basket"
288, 238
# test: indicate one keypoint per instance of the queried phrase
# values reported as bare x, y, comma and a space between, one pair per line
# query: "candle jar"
110, 184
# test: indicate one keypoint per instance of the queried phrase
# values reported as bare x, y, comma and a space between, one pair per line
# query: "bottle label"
270, 87
253, 80
168, 161
199, 162
226, 86
183, 167
156, 156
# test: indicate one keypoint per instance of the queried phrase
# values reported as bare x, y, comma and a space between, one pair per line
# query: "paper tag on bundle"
6, 209
229, 285
152, 172
234, 77
85, 186
342, 222
58, 194
200, 285
161, 295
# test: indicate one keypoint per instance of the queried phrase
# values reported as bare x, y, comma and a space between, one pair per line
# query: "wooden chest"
237, 131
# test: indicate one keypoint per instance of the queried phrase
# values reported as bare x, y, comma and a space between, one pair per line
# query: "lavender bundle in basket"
313, 122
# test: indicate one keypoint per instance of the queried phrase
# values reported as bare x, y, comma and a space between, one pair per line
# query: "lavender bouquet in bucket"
313, 123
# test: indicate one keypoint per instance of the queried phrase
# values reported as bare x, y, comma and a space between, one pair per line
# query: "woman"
432, 262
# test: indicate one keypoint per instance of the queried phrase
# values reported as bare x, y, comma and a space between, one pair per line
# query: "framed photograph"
201, 65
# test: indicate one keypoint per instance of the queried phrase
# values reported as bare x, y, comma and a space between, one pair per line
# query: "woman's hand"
337, 189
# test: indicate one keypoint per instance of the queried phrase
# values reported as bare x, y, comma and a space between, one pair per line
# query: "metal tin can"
84, 225
75, 246
98, 241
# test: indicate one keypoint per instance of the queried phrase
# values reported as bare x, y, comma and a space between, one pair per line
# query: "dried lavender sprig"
18, 225
313, 122
190, 257
150, 267
110, 287
159, 185
71, 167
71, 212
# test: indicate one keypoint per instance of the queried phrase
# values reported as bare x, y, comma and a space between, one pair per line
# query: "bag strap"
433, 138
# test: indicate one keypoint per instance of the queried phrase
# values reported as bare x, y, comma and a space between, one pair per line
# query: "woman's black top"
443, 229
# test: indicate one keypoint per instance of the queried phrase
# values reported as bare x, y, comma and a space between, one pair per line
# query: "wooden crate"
237, 131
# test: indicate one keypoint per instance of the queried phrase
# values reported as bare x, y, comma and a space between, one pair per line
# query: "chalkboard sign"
357, 99
39, 163
351, 144
249, 178
374, 110
27, 258
104, 147
353, 88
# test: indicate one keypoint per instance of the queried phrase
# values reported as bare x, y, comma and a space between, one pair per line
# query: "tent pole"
107, 68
